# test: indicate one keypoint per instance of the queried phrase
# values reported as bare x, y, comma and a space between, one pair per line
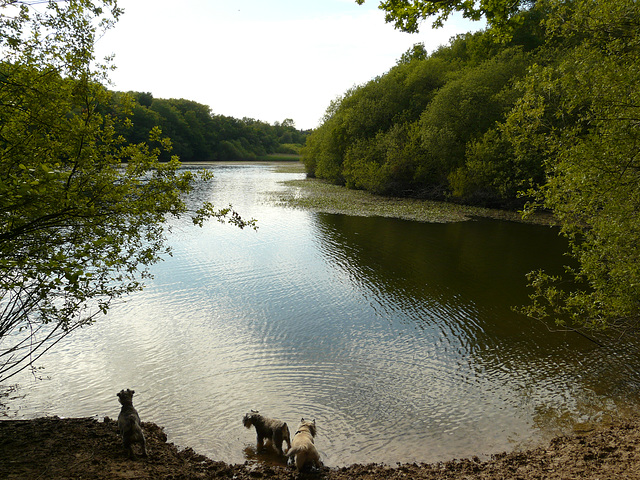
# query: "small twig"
570, 329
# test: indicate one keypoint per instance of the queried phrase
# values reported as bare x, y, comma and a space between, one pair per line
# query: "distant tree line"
197, 134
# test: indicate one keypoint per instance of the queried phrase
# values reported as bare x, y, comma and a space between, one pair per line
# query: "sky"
266, 60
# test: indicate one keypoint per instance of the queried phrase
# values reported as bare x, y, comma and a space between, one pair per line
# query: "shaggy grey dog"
303, 449
272, 430
129, 423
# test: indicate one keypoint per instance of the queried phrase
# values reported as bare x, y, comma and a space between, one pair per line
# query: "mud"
84, 448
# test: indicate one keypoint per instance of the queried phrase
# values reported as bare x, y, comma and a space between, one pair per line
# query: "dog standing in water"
274, 431
129, 424
302, 447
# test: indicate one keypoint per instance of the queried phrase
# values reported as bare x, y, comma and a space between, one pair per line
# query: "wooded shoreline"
324, 197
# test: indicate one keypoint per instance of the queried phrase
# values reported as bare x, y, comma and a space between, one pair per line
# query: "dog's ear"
302, 419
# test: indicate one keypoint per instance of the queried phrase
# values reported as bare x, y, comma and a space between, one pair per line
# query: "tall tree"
81, 211
579, 118
583, 112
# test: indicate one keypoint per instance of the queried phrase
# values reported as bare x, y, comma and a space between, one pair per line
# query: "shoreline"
75, 448
264, 161
57, 448
319, 196
323, 197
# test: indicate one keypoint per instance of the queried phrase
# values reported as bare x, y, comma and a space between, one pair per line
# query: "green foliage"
383, 165
288, 148
199, 135
417, 52
549, 114
465, 108
407, 132
367, 112
591, 94
323, 152
497, 167
81, 210
407, 14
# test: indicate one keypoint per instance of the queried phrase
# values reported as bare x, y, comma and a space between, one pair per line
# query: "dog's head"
248, 419
307, 426
126, 396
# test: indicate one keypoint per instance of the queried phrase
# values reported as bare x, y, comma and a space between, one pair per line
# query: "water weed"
320, 196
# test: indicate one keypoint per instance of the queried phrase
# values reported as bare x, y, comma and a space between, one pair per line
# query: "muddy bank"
52, 448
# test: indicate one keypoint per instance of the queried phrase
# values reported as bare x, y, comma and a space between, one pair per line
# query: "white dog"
302, 446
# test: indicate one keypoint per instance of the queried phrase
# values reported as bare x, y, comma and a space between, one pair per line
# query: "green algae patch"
323, 197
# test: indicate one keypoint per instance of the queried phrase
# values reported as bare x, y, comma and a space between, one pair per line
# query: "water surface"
398, 337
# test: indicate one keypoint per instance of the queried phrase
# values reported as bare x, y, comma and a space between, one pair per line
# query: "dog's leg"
286, 436
144, 444
128, 447
277, 440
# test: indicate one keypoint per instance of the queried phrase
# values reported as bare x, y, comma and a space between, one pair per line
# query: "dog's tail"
292, 451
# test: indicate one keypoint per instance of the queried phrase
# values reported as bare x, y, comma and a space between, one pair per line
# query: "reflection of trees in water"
480, 264
462, 280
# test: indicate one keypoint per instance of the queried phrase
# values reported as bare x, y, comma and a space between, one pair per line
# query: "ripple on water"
378, 329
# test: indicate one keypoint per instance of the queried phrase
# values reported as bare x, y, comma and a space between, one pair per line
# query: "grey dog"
129, 423
274, 431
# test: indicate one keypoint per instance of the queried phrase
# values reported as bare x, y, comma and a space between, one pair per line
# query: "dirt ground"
84, 448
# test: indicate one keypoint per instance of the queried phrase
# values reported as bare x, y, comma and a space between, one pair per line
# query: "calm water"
396, 336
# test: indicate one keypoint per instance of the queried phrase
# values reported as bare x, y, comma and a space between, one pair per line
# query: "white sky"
264, 59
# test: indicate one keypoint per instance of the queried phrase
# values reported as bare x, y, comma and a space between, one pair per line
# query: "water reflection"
480, 264
458, 283
397, 337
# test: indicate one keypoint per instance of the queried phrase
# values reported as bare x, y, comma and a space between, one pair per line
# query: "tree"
578, 117
491, 174
81, 211
466, 108
417, 52
364, 114
407, 131
407, 14
585, 110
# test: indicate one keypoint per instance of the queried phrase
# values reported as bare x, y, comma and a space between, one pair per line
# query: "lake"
397, 337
